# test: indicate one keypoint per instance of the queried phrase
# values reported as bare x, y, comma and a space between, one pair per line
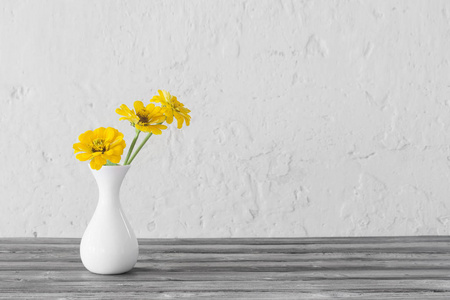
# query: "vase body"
109, 245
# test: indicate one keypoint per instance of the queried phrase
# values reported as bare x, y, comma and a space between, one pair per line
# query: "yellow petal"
143, 128
125, 111
116, 151
187, 118
81, 147
165, 94
114, 158
168, 112
118, 141
138, 106
155, 130
155, 99
95, 166
98, 162
160, 126
180, 120
84, 156
125, 108
109, 134
86, 137
150, 107
109, 152
99, 132
158, 119
184, 110
121, 112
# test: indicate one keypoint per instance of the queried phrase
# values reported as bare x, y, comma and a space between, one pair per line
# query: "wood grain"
278, 268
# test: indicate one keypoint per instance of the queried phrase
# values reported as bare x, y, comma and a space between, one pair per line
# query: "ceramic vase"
109, 245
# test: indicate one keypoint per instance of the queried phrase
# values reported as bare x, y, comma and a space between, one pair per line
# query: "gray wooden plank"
248, 241
230, 295
413, 248
243, 266
305, 286
177, 295
73, 255
147, 275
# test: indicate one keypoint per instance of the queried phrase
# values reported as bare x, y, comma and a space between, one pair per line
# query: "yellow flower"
172, 108
99, 146
146, 118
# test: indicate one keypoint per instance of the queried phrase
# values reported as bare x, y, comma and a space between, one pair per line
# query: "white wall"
309, 118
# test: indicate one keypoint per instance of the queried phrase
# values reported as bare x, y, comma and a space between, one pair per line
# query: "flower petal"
168, 112
155, 130
86, 137
98, 162
143, 128
80, 147
180, 120
110, 134
99, 132
138, 106
84, 156
114, 158
95, 166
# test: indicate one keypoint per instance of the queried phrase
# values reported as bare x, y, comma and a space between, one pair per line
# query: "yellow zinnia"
145, 118
99, 146
172, 108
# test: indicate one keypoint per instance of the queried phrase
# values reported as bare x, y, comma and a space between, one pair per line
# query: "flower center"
98, 145
143, 119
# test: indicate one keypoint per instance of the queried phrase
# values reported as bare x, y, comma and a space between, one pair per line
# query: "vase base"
110, 273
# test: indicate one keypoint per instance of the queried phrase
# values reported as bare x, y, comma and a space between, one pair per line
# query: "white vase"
109, 245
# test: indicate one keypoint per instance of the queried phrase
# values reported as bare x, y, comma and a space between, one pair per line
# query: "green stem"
140, 146
132, 147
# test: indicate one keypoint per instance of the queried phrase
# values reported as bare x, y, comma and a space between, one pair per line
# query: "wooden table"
302, 268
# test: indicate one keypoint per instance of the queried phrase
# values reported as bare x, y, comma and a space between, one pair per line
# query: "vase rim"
120, 166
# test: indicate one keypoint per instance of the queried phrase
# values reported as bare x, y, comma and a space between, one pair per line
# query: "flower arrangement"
104, 146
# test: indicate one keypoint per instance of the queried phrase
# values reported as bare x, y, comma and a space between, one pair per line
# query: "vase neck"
109, 179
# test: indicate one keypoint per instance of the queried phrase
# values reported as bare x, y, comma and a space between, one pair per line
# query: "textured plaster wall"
309, 118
